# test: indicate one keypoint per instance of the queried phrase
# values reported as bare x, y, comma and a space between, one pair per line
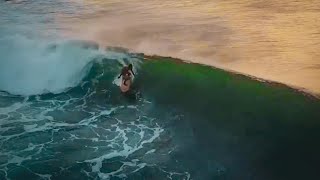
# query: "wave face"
234, 127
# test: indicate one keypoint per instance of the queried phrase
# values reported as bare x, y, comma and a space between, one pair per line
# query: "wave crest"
32, 66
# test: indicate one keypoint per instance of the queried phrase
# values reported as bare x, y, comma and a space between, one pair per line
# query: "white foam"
18, 160
126, 151
119, 139
29, 66
151, 151
29, 127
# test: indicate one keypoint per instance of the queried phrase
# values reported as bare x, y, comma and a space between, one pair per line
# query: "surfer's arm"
132, 72
121, 73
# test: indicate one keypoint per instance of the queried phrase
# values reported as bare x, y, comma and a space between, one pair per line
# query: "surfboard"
125, 88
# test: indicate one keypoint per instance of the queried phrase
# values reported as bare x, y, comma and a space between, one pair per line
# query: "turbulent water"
62, 115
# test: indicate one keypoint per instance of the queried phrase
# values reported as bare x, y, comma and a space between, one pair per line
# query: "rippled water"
87, 131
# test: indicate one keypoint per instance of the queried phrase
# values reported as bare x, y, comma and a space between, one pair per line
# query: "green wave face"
255, 129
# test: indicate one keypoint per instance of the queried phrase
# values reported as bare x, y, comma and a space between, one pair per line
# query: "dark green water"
181, 121
255, 130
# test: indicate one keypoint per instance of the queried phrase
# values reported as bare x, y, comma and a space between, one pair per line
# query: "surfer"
126, 73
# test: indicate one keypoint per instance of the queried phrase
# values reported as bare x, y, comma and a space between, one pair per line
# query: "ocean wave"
33, 66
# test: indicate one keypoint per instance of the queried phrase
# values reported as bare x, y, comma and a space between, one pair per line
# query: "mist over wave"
33, 66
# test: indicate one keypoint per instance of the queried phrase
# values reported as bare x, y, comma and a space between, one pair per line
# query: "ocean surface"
62, 115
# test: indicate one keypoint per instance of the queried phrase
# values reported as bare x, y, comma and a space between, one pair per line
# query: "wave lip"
31, 66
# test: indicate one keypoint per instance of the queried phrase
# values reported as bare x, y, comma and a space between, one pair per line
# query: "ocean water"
62, 115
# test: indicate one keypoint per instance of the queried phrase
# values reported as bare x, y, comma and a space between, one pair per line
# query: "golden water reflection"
275, 40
